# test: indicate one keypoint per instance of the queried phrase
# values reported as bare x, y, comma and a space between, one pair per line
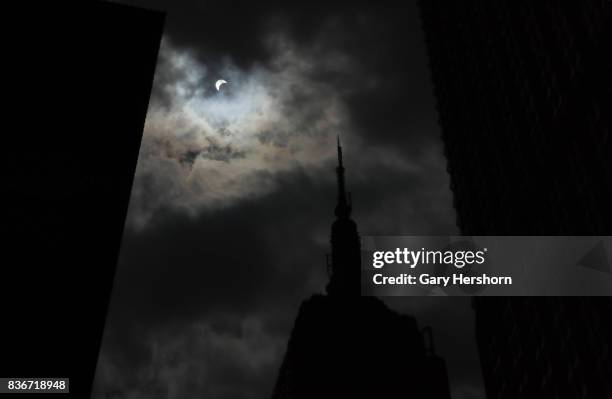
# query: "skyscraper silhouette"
344, 345
521, 91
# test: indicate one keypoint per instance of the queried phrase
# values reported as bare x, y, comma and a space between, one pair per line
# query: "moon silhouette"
219, 83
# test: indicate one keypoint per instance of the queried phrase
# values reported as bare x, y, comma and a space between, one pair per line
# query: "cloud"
249, 265
204, 149
219, 358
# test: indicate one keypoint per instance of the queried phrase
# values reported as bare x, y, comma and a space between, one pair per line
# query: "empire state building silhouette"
344, 345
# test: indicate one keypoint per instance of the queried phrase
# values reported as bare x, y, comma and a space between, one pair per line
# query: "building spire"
339, 152
343, 207
345, 265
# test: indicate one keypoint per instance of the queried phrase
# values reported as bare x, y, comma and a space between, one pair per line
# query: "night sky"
234, 192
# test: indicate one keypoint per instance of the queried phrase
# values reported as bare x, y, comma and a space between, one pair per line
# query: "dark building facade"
523, 95
523, 92
344, 345
545, 347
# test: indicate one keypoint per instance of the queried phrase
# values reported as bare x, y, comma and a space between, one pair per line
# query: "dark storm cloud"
229, 259
217, 28
195, 360
229, 217
205, 298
